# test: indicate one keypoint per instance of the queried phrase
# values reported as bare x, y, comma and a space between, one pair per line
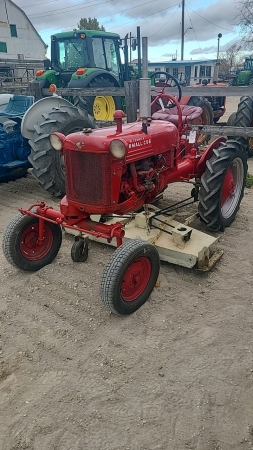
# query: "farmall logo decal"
139, 142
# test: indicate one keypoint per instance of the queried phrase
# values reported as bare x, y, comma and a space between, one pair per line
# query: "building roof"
24, 14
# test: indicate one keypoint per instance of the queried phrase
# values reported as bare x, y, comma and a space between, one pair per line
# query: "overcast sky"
160, 21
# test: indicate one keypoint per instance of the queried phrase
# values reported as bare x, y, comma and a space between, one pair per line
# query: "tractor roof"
89, 33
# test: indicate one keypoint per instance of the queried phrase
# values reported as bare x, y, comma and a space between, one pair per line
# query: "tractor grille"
88, 178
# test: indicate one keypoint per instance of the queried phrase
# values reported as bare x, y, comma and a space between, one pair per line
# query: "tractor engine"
116, 171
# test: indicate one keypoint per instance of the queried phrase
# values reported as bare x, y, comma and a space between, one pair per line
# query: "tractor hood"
161, 136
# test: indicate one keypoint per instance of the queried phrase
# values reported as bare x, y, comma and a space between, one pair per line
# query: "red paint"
118, 116
135, 279
228, 186
98, 183
30, 247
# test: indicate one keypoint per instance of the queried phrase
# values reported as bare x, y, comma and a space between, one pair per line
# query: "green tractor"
86, 58
245, 76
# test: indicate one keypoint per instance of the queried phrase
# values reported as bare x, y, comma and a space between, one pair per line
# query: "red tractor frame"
116, 171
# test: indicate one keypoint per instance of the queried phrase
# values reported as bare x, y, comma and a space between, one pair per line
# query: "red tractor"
112, 173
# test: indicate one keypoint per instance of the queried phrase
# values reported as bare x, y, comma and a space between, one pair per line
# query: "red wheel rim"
29, 247
228, 186
136, 279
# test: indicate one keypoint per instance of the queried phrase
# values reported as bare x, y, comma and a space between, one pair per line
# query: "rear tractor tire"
244, 118
222, 186
231, 122
100, 107
130, 276
20, 243
48, 165
207, 115
232, 82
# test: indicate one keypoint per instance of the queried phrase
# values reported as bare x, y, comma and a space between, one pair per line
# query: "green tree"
89, 24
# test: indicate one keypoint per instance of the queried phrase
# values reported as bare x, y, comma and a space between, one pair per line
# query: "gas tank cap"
87, 130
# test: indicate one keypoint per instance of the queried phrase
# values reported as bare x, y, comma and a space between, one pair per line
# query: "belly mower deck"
176, 242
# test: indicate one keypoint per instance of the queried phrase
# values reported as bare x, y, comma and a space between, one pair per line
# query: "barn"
21, 46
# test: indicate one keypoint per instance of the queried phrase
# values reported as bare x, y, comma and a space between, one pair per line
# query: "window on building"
175, 72
195, 71
167, 69
157, 69
205, 71
13, 29
3, 47
202, 71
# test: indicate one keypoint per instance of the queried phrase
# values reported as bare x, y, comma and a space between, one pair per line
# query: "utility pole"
182, 31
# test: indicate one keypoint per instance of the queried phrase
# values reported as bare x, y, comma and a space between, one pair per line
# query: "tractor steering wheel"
173, 82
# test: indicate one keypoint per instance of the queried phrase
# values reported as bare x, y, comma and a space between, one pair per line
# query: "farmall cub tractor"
113, 176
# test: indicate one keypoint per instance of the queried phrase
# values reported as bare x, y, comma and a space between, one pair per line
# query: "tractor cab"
76, 55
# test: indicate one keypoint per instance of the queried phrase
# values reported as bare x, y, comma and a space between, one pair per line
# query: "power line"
218, 26
143, 17
200, 50
118, 12
61, 10
165, 23
43, 3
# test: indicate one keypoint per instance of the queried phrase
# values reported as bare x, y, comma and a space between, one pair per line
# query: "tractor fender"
84, 82
42, 83
185, 99
35, 114
201, 167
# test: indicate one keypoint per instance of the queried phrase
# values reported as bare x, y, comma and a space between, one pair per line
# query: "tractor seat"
17, 106
189, 113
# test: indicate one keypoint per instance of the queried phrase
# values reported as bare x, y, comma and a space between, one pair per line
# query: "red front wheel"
130, 276
21, 246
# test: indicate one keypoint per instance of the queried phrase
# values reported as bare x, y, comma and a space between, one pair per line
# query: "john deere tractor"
245, 76
86, 58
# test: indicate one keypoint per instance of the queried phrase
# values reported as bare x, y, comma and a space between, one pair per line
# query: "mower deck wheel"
79, 250
21, 247
130, 276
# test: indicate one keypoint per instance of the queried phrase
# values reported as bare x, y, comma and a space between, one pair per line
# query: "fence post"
35, 90
132, 99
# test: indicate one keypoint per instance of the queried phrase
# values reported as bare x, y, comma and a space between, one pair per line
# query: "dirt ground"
178, 374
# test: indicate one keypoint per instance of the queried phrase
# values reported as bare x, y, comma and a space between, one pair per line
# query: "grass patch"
249, 180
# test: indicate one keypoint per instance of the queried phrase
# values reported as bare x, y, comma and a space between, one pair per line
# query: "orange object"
52, 88
80, 71
39, 72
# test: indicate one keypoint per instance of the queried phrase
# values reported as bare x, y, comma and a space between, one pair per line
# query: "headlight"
117, 149
56, 142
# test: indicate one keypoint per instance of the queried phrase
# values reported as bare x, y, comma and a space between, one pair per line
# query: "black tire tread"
211, 184
204, 104
244, 118
9, 243
43, 158
115, 263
